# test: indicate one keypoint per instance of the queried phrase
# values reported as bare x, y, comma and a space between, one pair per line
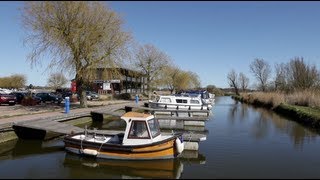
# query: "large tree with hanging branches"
78, 36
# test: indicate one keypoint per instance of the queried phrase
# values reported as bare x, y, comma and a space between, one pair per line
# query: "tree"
194, 82
243, 82
280, 81
169, 77
182, 81
151, 62
262, 71
80, 36
302, 76
214, 90
13, 81
211, 88
57, 80
233, 81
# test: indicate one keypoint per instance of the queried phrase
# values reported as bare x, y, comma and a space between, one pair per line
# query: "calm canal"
242, 142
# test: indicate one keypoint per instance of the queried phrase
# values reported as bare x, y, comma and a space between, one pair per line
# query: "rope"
101, 144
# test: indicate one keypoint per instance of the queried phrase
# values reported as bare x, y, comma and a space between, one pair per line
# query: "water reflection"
170, 168
20, 148
76, 166
264, 122
233, 112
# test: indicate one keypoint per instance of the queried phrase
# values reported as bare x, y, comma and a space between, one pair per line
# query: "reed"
271, 99
309, 98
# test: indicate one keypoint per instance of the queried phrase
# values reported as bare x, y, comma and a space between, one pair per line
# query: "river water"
242, 142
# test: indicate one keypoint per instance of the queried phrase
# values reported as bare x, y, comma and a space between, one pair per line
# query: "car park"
92, 95
48, 97
19, 96
8, 99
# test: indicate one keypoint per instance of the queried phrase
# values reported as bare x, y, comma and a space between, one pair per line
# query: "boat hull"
165, 149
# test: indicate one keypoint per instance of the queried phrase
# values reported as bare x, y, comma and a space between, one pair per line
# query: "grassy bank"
301, 107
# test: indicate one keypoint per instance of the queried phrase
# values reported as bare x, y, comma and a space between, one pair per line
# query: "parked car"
22, 95
48, 97
92, 95
8, 99
64, 92
19, 96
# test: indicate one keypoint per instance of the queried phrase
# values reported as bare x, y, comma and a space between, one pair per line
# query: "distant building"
119, 80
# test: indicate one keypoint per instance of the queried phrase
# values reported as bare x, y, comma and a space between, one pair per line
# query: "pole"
67, 105
137, 99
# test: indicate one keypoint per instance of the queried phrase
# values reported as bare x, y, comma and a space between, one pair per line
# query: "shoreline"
306, 116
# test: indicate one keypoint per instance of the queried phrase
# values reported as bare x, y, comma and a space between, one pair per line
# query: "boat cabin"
180, 102
140, 129
186, 100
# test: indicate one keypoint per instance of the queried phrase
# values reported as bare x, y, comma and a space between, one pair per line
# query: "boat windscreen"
154, 127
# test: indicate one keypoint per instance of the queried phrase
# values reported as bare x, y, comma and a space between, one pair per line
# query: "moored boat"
141, 140
206, 97
179, 102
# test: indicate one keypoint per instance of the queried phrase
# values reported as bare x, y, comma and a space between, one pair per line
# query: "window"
165, 100
194, 102
154, 127
139, 130
181, 101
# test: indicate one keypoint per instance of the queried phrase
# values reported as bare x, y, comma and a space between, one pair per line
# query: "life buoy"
179, 145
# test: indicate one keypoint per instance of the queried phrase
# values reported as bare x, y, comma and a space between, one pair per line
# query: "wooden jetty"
39, 128
178, 118
173, 112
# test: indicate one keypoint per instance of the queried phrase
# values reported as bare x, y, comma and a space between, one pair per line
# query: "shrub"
28, 101
124, 96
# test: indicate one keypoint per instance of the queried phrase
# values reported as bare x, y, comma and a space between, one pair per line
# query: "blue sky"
208, 37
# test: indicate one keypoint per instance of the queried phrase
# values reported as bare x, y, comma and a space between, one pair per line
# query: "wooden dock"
172, 112
39, 128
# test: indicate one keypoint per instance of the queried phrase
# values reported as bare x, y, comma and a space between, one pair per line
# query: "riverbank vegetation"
294, 91
303, 107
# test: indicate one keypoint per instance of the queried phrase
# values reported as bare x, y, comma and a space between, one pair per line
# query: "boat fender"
179, 145
91, 152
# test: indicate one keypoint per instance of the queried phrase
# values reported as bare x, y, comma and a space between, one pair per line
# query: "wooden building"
118, 81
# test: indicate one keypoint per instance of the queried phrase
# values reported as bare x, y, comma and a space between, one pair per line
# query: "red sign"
73, 86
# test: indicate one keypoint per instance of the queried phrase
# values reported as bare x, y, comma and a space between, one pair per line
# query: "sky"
209, 38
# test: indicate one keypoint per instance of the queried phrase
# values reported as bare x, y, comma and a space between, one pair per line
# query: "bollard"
67, 105
137, 99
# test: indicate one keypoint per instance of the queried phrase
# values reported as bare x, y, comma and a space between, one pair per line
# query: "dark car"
48, 97
22, 95
8, 99
19, 96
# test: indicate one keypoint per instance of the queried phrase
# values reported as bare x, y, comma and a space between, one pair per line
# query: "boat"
141, 140
179, 102
206, 97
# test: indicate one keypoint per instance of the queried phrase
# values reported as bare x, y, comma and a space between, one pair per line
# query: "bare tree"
301, 75
243, 81
13, 81
262, 71
176, 79
79, 36
233, 81
169, 77
151, 62
194, 80
280, 81
182, 80
57, 80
